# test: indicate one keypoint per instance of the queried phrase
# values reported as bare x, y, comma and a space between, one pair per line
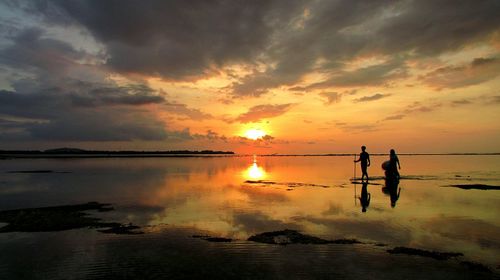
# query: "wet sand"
165, 252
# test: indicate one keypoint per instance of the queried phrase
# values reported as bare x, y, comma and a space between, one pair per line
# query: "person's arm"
368, 157
369, 197
399, 165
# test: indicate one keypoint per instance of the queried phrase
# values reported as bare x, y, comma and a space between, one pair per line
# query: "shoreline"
210, 155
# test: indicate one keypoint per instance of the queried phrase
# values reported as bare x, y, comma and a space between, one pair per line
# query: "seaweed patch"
424, 253
59, 218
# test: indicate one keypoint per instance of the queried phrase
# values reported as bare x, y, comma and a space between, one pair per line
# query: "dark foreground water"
173, 199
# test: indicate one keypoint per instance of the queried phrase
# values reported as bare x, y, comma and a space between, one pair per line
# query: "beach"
195, 217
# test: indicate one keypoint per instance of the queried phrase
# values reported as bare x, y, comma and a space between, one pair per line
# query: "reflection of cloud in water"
484, 234
380, 231
256, 222
258, 195
333, 209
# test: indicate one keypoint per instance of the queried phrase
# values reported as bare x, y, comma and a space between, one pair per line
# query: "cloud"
189, 39
184, 110
175, 39
99, 126
331, 97
72, 110
478, 71
260, 112
373, 75
395, 117
415, 107
418, 107
374, 97
59, 97
212, 136
357, 128
461, 102
337, 32
494, 99
29, 50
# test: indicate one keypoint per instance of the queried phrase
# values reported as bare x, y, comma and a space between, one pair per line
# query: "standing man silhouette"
364, 158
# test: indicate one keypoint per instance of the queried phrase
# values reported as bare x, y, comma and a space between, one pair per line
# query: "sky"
265, 77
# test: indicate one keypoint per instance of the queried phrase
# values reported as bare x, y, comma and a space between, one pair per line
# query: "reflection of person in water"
391, 189
394, 164
364, 199
364, 157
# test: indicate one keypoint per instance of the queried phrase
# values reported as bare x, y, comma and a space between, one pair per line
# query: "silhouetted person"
364, 157
364, 199
391, 189
394, 164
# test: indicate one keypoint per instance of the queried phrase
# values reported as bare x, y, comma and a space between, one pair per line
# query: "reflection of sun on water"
254, 172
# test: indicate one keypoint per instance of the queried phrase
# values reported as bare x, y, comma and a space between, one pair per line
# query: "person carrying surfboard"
364, 158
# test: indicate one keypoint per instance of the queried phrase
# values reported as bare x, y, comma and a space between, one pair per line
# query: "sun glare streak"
254, 172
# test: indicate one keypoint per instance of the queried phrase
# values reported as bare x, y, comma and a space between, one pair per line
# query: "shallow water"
173, 198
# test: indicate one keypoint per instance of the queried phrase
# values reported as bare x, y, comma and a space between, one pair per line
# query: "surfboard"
386, 165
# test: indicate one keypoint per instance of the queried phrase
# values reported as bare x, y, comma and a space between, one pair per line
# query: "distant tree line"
75, 151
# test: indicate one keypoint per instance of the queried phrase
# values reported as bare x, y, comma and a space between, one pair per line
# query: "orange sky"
314, 76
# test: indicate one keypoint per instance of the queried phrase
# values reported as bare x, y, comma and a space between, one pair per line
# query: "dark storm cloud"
99, 126
58, 98
478, 71
338, 31
366, 76
432, 27
175, 39
182, 39
83, 111
374, 97
259, 112
29, 51
44, 98
51, 116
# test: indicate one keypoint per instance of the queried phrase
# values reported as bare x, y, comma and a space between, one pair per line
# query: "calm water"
173, 198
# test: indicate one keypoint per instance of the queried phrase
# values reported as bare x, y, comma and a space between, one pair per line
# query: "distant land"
75, 152
81, 153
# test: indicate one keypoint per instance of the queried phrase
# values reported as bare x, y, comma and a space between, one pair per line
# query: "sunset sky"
297, 76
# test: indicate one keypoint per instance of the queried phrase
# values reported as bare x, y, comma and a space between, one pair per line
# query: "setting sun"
254, 134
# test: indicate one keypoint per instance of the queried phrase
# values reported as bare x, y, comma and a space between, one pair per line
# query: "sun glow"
254, 134
254, 172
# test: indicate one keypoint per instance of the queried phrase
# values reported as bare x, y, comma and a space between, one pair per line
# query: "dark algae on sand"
58, 218
289, 236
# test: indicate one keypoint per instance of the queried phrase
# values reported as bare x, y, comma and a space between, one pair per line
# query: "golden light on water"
255, 172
